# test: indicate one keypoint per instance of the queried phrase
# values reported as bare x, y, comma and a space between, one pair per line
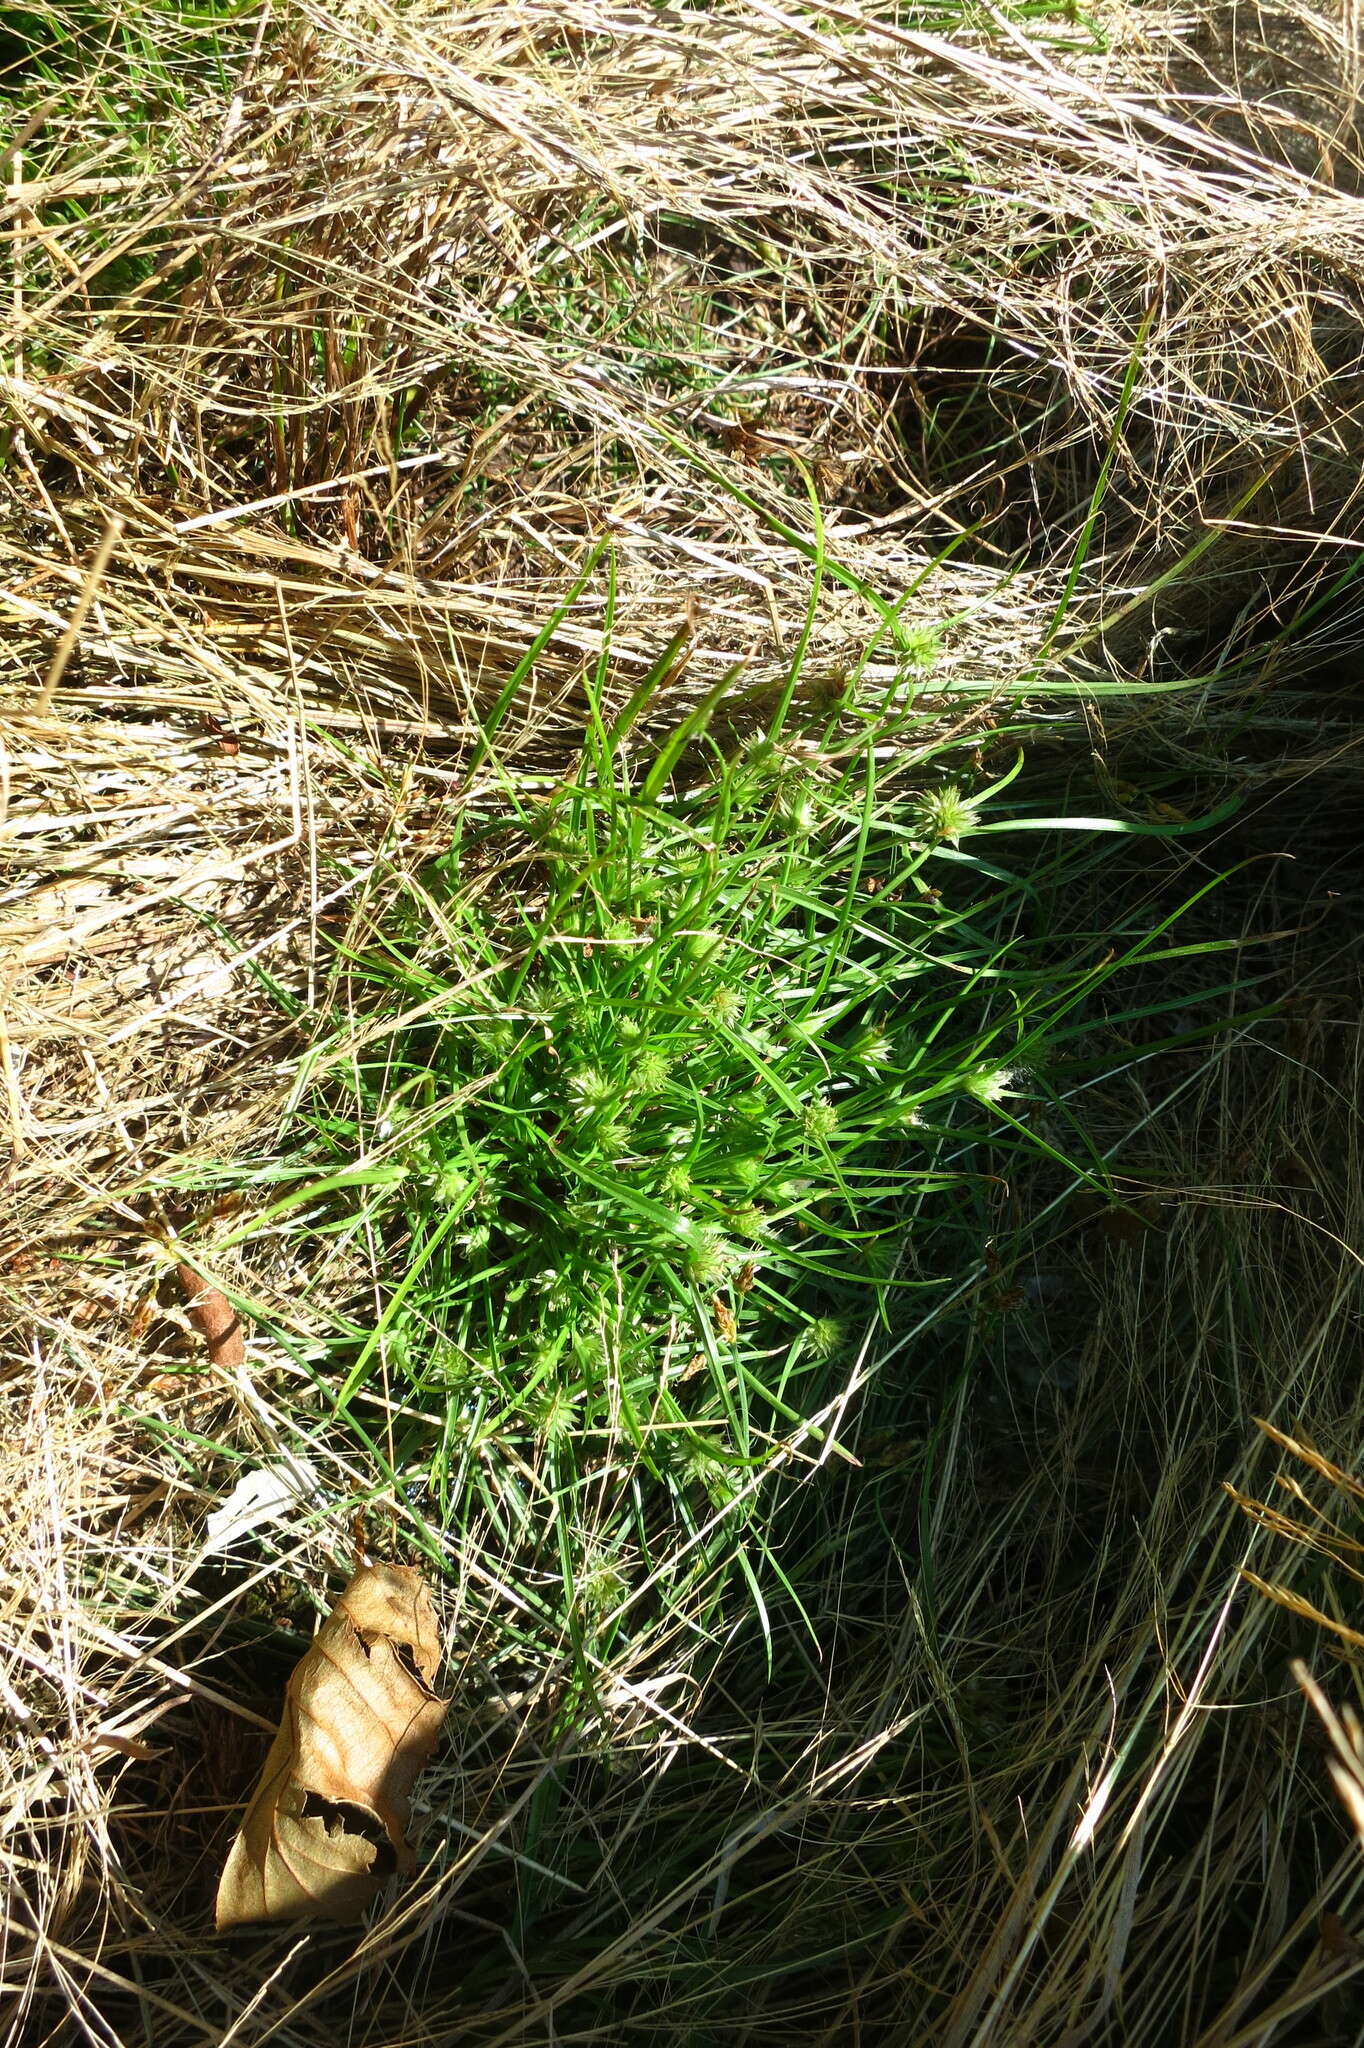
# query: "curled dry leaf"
214, 1317
361, 1717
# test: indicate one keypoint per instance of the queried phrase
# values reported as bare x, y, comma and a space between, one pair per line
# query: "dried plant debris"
1346, 1737
264, 1495
214, 1317
361, 1717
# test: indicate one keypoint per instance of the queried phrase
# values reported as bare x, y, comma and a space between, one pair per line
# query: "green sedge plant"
648, 1099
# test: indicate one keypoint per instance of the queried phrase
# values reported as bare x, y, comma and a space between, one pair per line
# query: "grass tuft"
647, 1090
714, 1151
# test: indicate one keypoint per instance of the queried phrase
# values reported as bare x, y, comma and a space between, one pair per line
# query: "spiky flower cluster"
944, 814
819, 1120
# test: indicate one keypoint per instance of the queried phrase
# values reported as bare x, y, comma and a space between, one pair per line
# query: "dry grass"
384, 348
1178, 1894
1066, 1791
368, 353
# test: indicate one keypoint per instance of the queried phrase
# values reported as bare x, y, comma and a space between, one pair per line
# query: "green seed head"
454, 1186
649, 1071
819, 1120
497, 1037
921, 647
873, 1045
723, 1005
762, 758
555, 1416
990, 1084
589, 1091
700, 1467
707, 1258
749, 1221
797, 808
602, 1585
449, 1368
825, 1337
942, 815
572, 1016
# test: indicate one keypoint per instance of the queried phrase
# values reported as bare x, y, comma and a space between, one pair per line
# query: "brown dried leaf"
361, 1717
214, 1317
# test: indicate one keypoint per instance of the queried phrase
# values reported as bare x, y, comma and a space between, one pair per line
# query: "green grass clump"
656, 1082
151, 45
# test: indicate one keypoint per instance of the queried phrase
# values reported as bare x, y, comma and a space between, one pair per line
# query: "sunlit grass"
640, 1116
636, 1100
